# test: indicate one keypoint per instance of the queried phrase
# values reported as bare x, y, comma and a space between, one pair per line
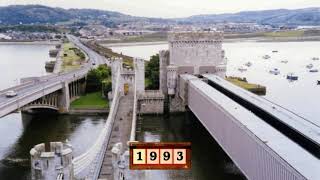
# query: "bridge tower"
140, 74
116, 65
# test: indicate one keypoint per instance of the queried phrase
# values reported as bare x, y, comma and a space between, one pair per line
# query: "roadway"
51, 80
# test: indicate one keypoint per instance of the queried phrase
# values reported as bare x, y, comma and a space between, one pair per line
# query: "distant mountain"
38, 14
307, 16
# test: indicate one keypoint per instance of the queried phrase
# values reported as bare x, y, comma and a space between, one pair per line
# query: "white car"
11, 94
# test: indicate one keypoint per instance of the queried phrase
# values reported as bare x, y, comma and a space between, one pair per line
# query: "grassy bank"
72, 57
90, 101
254, 88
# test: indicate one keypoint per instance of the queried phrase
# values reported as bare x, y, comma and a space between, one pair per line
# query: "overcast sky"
172, 8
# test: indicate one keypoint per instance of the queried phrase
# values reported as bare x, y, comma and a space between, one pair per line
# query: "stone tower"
193, 53
53, 164
196, 49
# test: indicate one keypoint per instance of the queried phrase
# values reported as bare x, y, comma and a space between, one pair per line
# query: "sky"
172, 8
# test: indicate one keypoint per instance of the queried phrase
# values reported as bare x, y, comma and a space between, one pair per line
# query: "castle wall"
196, 49
151, 102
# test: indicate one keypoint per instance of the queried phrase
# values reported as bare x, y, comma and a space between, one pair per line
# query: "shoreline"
29, 42
121, 44
87, 112
226, 40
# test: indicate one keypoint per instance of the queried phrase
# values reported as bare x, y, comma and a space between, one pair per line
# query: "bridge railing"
20, 101
92, 159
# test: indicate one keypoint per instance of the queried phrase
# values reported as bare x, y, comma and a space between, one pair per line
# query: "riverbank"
134, 44
226, 40
91, 112
276, 36
30, 42
90, 101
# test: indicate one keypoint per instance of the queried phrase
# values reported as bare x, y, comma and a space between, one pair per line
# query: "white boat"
266, 57
248, 64
313, 70
292, 77
275, 71
309, 66
242, 69
284, 61
315, 58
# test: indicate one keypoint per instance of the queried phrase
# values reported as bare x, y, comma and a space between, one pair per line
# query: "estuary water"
20, 132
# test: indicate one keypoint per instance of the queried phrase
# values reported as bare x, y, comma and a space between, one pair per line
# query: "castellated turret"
196, 49
52, 165
172, 79
191, 53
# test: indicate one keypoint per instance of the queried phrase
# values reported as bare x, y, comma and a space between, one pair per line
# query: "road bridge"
53, 91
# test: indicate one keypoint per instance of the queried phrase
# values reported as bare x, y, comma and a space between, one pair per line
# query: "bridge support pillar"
64, 99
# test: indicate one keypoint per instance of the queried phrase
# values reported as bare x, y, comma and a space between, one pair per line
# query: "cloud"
172, 8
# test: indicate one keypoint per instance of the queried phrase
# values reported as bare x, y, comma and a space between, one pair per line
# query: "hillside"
308, 16
38, 14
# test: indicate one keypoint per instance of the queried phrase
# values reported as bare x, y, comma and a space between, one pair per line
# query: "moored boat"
284, 61
315, 58
309, 66
248, 64
275, 71
266, 57
313, 70
292, 77
242, 69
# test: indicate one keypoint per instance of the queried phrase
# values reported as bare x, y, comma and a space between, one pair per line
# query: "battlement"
193, 37
50, 165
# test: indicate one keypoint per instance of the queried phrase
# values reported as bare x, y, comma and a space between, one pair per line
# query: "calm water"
19, 133
18, 61
301, 96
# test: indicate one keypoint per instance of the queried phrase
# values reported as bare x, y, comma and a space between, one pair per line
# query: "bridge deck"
259, 150
295, 126
120, 133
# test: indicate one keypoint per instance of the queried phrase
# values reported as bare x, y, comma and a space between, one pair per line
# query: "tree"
93, 81
96, 79
152, 73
